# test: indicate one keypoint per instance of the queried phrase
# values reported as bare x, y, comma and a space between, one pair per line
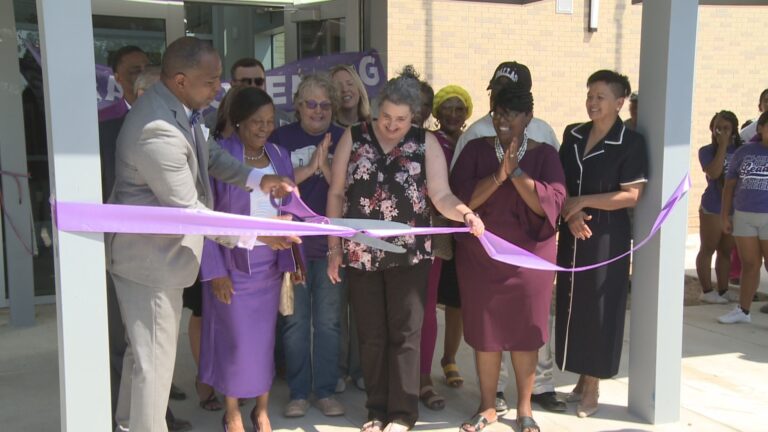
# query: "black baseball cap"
518, 73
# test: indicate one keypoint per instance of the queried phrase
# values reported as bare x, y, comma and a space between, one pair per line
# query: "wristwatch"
517, 172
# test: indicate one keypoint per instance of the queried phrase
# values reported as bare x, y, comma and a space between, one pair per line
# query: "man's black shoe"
177, 393
501, 404
549, 402
176, 424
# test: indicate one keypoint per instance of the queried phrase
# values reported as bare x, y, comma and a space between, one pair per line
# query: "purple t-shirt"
750, 166
314, 190
711, 200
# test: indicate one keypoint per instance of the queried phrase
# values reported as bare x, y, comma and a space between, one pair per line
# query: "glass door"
116, 23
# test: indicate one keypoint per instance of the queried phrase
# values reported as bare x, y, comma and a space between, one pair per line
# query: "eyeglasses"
258, 82
506, 115
313, 104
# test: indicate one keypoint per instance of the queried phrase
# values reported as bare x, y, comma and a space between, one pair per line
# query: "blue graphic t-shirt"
749, 166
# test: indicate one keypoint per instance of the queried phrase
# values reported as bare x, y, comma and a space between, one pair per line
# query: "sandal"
527, 424
477, 423
452, 376
372, 426
431, 399
211, 403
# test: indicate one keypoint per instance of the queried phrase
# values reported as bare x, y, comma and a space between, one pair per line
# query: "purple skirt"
238, 339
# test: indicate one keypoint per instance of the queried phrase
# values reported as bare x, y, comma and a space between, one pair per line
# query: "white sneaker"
341, 385
712, 297
735, 316
732, 295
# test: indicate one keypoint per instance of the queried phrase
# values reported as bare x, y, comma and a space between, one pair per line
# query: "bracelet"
333, 249
464, 216
498, 183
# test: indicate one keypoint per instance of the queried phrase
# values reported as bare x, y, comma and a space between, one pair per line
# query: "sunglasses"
313, 104
252, 81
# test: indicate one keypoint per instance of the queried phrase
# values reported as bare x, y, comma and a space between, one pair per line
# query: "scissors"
293, 205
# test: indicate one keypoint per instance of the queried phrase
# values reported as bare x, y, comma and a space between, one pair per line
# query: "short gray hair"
403, 90
320, 81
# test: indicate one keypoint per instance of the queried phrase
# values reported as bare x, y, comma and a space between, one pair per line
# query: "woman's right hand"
223, 289
279, 242
727, 225
578, 225
334, 263
721, 138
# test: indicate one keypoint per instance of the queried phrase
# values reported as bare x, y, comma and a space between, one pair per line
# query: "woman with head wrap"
605, 167
381, 171
452, 107
517, 186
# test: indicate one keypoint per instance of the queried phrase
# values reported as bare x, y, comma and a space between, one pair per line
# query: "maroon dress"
505, 307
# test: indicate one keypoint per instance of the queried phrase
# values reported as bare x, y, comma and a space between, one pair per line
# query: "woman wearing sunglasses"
317, 301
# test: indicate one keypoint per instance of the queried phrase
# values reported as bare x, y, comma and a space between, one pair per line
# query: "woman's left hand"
475, 224
324, 163
572, 206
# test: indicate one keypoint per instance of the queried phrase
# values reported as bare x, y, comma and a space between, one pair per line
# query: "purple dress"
238, 339
504, 307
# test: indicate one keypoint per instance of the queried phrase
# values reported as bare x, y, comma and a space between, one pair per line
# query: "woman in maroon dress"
517, 186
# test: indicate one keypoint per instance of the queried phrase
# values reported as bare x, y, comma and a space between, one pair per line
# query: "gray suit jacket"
158, 163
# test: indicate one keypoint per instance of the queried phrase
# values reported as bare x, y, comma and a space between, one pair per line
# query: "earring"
237, 125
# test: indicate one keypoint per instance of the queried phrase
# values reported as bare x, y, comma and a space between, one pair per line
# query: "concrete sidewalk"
725, 377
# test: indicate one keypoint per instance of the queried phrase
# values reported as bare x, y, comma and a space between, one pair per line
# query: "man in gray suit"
163, 159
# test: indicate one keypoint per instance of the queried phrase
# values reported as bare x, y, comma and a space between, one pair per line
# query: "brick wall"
461, 42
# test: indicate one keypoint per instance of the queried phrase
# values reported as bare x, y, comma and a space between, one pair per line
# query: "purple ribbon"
92, 217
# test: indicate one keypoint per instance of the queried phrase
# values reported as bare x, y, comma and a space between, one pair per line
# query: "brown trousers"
389, 308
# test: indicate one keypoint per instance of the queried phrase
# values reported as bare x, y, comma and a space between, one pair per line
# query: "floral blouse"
392, 187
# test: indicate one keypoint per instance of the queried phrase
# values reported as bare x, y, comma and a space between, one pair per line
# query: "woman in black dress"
605, 167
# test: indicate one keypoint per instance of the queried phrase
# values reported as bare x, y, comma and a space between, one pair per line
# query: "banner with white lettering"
281, 82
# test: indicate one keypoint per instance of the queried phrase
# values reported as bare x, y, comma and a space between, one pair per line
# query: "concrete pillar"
66, 38
13, 158
667, 54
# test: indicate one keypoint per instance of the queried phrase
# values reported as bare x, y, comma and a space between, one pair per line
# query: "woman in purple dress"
518, 187
242, 288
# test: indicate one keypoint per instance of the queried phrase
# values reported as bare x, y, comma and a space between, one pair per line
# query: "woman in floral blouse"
381, 171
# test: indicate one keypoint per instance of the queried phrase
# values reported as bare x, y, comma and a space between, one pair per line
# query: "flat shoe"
550, 402
478, 422
528, 423
501, 404
296, 408
431, 399
573, 397
372, 426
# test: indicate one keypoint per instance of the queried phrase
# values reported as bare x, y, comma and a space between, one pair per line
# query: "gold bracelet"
333, 249
498, 183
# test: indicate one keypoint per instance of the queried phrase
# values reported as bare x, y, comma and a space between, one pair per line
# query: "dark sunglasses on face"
313, 104
252, 81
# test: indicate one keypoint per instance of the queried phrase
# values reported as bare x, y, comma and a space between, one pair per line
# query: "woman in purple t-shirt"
714, 159
746, 192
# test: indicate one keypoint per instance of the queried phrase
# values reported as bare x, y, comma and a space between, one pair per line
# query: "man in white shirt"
748, 132
507, 74
516, 75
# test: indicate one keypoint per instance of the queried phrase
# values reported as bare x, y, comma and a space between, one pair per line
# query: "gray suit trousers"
151, 316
